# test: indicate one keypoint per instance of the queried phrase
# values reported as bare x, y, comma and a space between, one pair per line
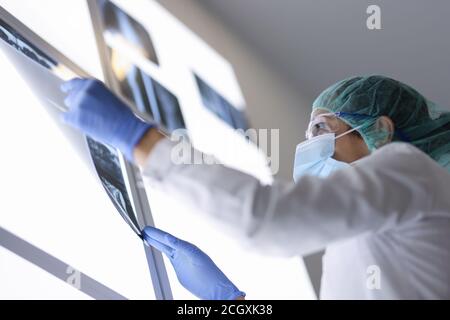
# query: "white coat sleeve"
389, 188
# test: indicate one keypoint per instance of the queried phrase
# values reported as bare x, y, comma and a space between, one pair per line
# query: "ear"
385, 127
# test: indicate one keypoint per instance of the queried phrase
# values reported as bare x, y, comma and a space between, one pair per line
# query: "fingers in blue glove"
195, 270
74, 89
71, 99
168, 251
74, 84
98, 113
163, 237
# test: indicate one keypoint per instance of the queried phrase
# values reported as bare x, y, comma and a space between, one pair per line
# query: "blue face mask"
314, 157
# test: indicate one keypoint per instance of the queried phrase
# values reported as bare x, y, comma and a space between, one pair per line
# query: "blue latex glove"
98, 113
195, 270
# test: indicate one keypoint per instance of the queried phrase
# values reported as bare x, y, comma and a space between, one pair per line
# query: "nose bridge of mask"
318, 147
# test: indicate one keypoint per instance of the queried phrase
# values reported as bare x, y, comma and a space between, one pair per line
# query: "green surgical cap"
416, 119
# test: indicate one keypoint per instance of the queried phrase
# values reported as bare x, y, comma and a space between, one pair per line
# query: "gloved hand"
195, 270
97, 112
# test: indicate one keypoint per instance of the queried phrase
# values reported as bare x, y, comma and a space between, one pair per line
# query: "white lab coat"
385, 223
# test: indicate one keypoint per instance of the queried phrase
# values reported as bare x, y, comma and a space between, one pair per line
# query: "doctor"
372, 187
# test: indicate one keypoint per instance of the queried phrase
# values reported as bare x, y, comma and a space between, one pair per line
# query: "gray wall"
318, 42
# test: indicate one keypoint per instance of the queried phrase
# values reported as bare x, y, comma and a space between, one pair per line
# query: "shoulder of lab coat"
393, 186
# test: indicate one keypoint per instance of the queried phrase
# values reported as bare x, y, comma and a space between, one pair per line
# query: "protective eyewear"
330, 123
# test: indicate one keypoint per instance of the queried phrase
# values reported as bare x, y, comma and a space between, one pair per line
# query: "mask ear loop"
349, 131
358, 127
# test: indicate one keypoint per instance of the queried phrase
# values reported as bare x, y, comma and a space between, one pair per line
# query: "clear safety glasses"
330, 123
321, 124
